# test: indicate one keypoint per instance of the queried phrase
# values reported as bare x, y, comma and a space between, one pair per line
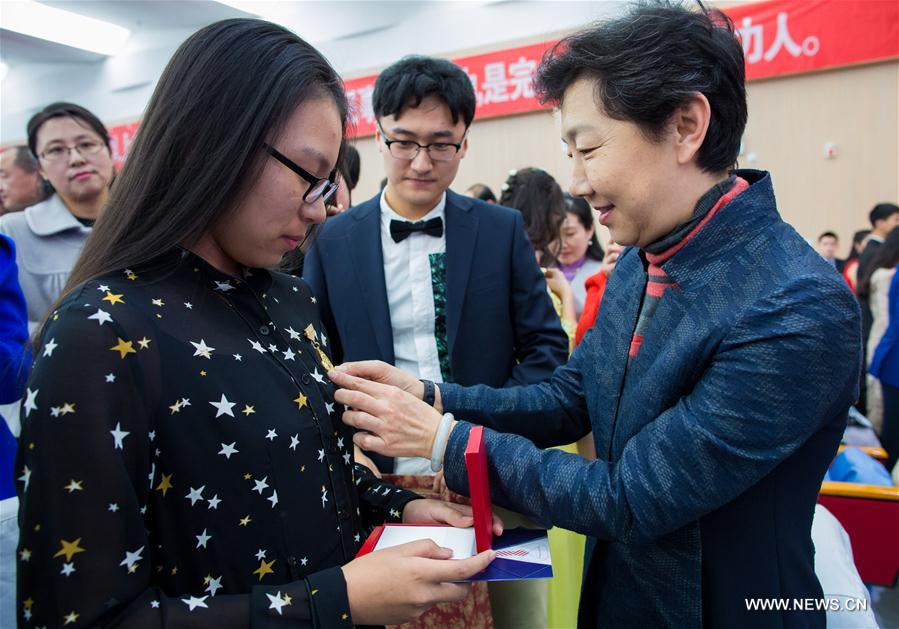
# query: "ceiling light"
63, 27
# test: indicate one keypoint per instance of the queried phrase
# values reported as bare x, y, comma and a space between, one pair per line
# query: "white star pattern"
103, 288
132, 558
340, 443
329, 406
224, 286
25, 555
118, 436
158, 302
294, 442
272, 348
188, 305
346, 457
257, 346
261, 485
223, 407
228, 450
304, 561
214, 585
277, 602
214, 502
321, 456
30, 398
49, 347
195, 494
260, 555
318, 377
101, 316
110, 378
202, 538
68, 568
113, 507
324, 340
273, 499
294, 335
202, 349
238, 357
289, 355
271, 435
194, 602
324, 496
154, 604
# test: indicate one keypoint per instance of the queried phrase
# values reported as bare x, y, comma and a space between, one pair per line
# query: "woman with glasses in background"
73, 152
183, 462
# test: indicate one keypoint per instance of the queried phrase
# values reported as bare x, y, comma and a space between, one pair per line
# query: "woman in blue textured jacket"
717, 378
885, 367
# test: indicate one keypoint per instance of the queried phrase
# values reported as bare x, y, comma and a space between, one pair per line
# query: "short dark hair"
483, 192
584, 213
882, 211
539, 198
828, 235
64, 110
648, 62
412, 79
24, 159
349, 166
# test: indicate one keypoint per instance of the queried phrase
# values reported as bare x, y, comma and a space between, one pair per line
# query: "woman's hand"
361, 459
395, 585
396, 423
378, 371
557, 283
610, 258
438, 512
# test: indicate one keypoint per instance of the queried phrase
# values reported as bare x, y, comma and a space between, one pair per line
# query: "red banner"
502, 81
780, 37
790, 36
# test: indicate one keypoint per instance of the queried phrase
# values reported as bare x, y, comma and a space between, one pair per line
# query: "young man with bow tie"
441, 285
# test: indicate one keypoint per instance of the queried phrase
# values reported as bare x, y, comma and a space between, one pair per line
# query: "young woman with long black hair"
182, 459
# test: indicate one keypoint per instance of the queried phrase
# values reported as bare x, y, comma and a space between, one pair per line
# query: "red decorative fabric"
596, 286
474, 610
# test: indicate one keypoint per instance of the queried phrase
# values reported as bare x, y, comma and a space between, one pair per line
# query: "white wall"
371, 35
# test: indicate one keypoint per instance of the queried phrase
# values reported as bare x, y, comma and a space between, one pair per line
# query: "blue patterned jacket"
711, 450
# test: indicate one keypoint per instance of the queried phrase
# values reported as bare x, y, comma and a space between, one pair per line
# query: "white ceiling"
357, 36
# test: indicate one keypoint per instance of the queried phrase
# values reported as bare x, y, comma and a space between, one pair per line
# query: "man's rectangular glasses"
319, 188
408, 150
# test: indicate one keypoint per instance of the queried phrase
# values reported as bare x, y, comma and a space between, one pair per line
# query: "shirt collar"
388, 214
257, 280
52, 217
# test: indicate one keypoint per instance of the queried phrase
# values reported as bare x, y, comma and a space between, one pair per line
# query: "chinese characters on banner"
502, 81
779, 37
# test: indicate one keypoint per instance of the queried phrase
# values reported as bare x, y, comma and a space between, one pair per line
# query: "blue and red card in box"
521, 553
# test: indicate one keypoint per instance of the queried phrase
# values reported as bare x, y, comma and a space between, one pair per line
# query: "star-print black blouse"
182, 460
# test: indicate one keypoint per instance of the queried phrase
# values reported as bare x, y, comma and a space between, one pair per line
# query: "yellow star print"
123, 347
301, 401
244, 521
113, 299
144, 343
165, 484
248, 410
71, 618
265, 567
69, 549
28, 603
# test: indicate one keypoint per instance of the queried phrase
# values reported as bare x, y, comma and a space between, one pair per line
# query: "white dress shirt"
410, 297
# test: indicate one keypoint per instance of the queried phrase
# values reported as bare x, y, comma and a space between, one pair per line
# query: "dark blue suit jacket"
711, 448
502, 329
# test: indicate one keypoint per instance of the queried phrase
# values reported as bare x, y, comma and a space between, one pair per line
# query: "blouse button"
305, 379
264, 331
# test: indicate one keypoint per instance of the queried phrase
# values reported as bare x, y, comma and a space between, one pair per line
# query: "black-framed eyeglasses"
319, 188
408, 150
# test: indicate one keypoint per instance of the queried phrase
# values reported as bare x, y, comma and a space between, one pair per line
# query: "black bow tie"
400, 230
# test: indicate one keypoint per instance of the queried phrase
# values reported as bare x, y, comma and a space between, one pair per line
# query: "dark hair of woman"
886, 257
200, 144
580, 208
64, 110
538, 197
857, 238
